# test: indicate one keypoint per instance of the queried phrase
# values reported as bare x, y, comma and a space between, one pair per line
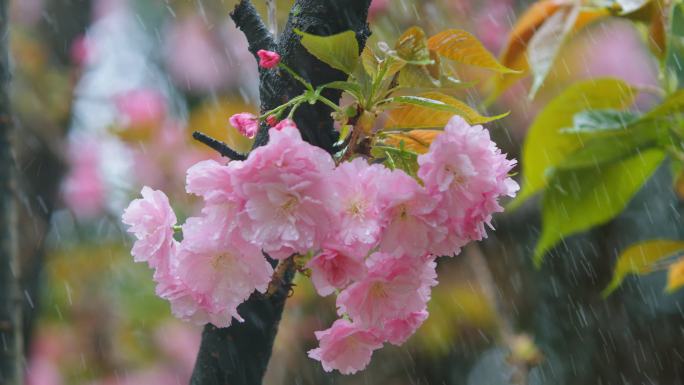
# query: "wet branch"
218, 146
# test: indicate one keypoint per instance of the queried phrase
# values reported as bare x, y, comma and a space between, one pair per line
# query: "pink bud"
268, 59
272, 120
246, 123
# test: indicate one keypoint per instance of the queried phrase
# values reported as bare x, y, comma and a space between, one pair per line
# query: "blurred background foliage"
106, 94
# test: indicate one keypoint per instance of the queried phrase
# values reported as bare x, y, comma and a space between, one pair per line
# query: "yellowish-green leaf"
461, 46
675, 275
577, 200
546, 145
369, 61
639, 259
413, 75
411, 117
417, 141
340, 51
671, 105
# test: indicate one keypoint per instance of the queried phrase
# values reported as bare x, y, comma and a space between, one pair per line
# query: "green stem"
296, 76
276, 111
329, 103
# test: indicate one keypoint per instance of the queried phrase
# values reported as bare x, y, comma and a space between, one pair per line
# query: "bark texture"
239, 354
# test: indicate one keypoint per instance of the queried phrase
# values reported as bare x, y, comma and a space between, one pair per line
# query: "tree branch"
218, 146
239, 355
248, 20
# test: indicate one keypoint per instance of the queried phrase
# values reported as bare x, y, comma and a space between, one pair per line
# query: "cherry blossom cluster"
372, 234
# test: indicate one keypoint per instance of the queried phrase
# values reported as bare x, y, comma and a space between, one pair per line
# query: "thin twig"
219, 146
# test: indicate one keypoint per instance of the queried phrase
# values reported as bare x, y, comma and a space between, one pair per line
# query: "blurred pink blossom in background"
194, 56
141, 107
83, 189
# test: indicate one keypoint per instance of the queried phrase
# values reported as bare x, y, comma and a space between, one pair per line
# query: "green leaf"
599, 151
340, 51
400, 158
546, 43
673, 104
546, 145
577, 200
461, 46
601, 121
349, 87
639, 259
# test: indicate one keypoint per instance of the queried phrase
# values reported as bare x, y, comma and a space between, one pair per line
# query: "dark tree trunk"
11, 336
240, 354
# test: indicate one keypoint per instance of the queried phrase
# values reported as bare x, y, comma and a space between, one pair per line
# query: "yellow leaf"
461, 46
412, 45
414, 116
675, 276
417, 141
639, 259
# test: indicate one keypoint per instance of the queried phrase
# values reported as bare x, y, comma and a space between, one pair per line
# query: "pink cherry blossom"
397, 331
345, 347
334, 268
413, 223
285, 124
151, 220
393, 288
467, 171
186, 304
357, 204
211, 180
219, 263
268, 59
286, 187
247, 124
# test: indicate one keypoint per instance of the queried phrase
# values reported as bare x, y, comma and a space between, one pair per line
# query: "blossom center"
377, 290
357, 209
457, 177
289, 205
220, 261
